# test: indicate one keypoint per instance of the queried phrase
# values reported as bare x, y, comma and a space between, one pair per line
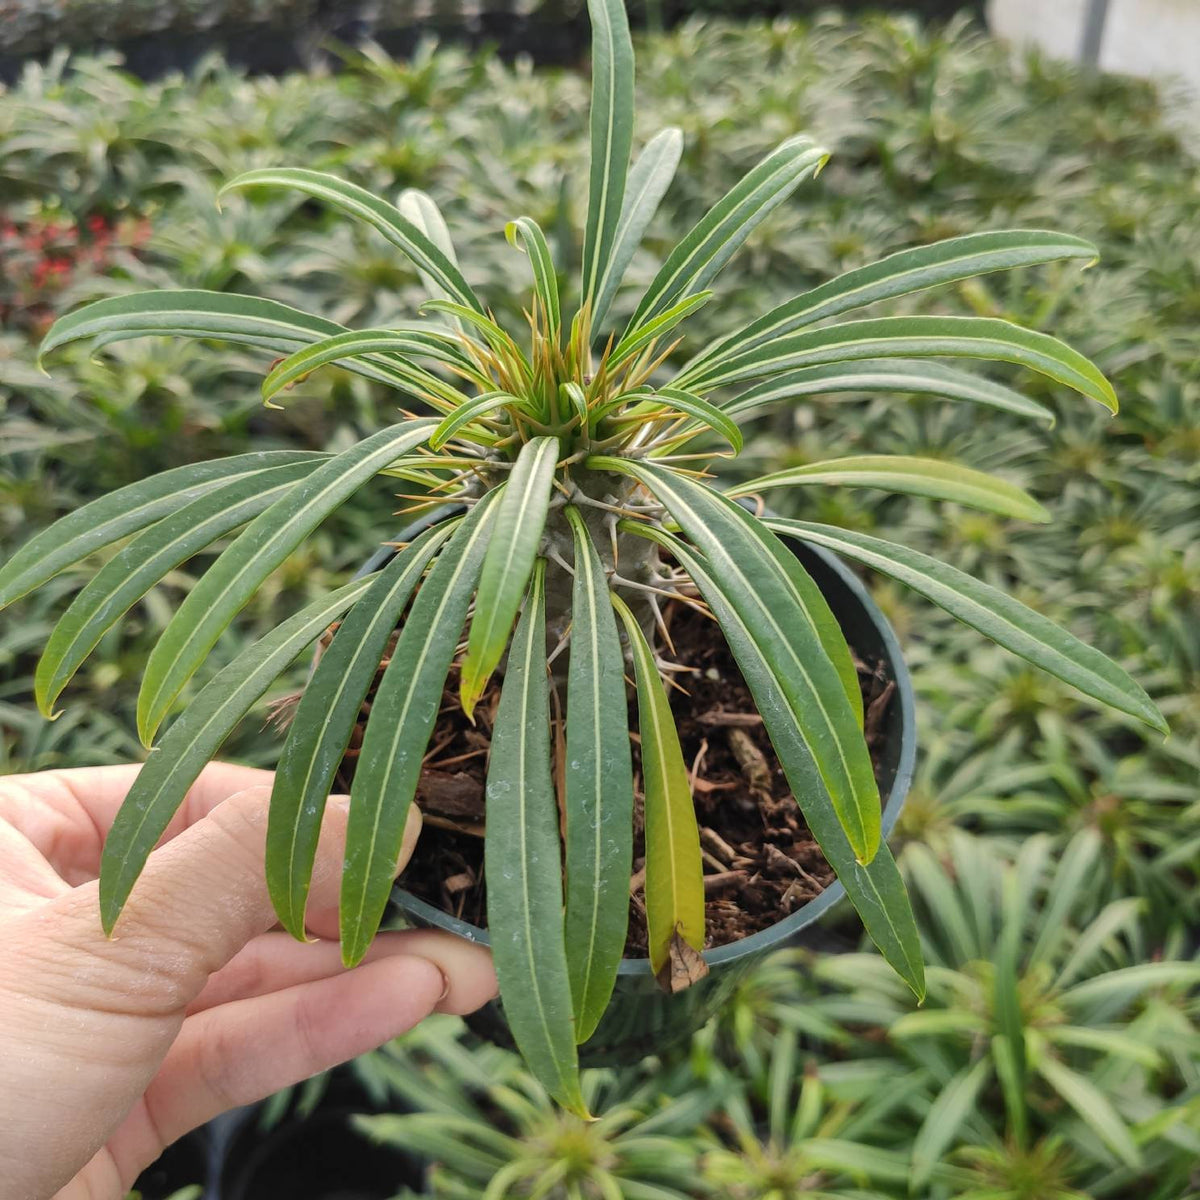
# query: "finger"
276, 961
26, 879
111, 1008
241, 1052
66, 814
465, 966
200, 899
321, 915
227, 850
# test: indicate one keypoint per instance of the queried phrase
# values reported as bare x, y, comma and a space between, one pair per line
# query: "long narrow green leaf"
125, 511
324, 720
675, 400
902, 274
1120, 916
247, 320
355, 345
876, 890
1107, 1041
894, 377
230, 582
192, 741
573, 398
472, 410
137, 567
402, 717
519, 524
708, 414
713, 241
857, 1160
545, 277
750, 571
1094, 1109
929, 477
419, 208
1010, 1074
939, 1021
820, 617
814, 607
458, 1141
803, 591
993, 613
655, 327
674, 870
1074, 876
913, 337
498, 338
376, 212
945, 1118
611, 136
599, 790
1006, 995
523, 865
221, 316
649, 178
1126, 983
948, 925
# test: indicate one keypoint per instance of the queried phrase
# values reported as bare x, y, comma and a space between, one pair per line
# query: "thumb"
86, 1021
201, 898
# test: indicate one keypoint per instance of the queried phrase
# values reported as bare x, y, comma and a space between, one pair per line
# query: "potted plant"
581, 456
648, 1014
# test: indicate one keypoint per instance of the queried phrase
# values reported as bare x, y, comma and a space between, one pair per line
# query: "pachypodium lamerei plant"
791, 1129
577, 455
1055, 1043
490, 1130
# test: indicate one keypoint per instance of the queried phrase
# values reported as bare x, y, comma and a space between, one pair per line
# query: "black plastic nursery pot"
642, 1019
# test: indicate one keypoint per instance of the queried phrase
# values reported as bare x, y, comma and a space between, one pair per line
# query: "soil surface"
760, 860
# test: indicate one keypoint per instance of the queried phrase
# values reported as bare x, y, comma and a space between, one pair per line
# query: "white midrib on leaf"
661, 735
523, 793
402, 720
594, 270
769, 616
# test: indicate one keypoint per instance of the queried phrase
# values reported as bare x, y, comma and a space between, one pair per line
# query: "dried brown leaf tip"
684, 966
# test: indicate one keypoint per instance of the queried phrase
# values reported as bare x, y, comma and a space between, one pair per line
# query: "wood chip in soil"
761, 861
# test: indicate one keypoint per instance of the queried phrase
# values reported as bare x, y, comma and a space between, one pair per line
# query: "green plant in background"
1052, 1043
491, 1130
799, 1129
574, 455
1143, 806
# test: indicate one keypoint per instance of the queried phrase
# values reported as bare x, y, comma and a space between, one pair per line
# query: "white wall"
1054, 25
1153, 37
1156, 38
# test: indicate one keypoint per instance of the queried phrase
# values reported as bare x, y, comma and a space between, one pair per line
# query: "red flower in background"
40, 258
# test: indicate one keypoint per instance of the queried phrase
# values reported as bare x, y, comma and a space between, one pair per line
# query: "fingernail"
342, 802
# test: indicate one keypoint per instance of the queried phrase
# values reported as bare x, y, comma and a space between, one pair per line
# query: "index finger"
66, 814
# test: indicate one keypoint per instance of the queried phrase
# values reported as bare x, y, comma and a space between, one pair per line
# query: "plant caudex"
581, 454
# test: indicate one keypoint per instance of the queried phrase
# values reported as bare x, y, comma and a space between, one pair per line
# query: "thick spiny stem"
631, 558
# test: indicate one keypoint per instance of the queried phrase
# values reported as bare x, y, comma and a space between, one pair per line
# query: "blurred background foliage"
1054, 850
271, 34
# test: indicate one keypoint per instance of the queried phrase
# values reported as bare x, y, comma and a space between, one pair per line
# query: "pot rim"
782, 931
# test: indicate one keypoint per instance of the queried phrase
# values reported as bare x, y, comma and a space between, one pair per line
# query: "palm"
114, 1048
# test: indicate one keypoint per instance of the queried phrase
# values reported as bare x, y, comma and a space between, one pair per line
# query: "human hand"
112, 1049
